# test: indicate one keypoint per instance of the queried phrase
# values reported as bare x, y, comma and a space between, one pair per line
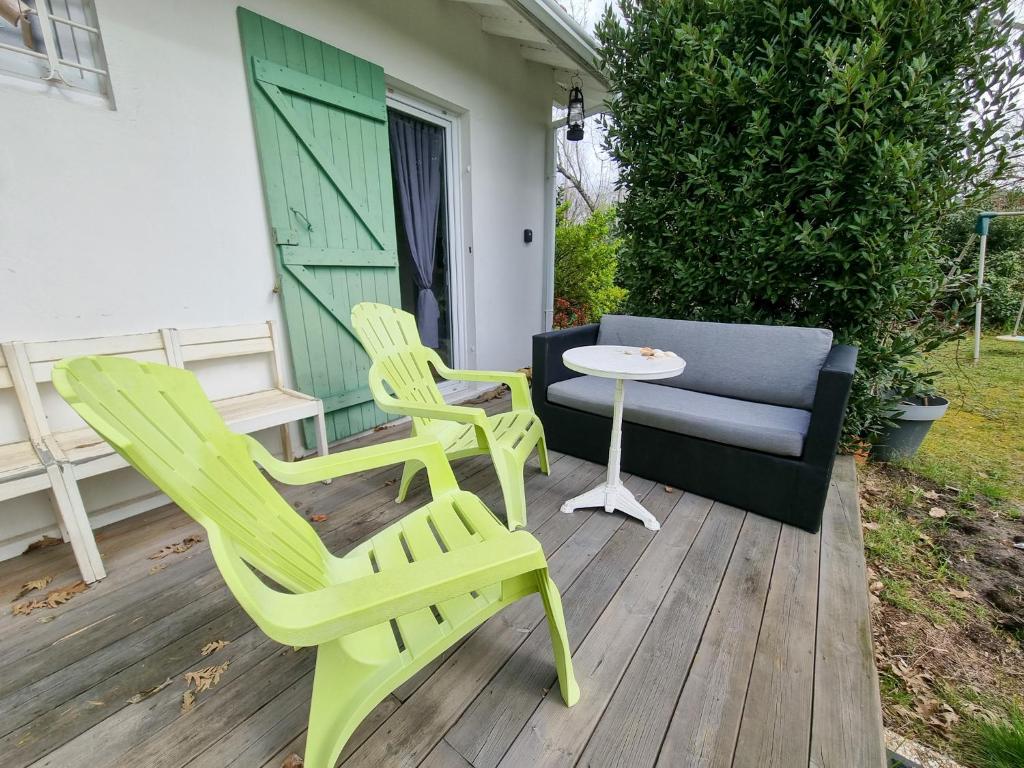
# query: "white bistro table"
619, 363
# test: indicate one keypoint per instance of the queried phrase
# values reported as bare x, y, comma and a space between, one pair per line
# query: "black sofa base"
782, 489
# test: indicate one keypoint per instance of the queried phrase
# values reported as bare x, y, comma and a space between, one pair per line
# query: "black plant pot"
914, 417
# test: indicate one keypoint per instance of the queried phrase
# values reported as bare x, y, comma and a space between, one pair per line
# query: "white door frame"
457, 293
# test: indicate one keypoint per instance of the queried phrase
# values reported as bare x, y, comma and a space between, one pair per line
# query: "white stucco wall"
152, 215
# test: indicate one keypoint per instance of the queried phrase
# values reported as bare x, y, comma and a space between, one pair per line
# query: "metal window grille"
57, 41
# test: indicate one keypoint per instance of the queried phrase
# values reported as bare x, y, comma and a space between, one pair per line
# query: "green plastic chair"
401, 362
377, 615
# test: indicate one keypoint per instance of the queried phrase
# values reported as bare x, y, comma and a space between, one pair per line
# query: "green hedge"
792, 163
586, 258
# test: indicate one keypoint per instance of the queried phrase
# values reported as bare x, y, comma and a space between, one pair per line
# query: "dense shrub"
586, 257
792, 161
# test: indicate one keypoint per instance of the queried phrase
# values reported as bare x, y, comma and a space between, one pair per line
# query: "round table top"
615, 362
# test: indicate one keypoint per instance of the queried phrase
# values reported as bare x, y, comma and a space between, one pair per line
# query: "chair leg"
542, 455
559, 638
510, 476
336, 708
408, 473
286, 443
71, 511
322, 447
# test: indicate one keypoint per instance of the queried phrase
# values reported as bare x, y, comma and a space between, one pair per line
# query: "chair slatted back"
159, 420
392, 341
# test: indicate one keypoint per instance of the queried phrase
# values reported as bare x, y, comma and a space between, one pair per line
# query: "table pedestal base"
611, 498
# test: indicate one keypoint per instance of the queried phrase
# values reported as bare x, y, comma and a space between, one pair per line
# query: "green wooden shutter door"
321, 132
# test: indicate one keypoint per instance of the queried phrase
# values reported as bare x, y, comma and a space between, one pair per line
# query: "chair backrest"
34, 362
159, 420
191, 345
392, 341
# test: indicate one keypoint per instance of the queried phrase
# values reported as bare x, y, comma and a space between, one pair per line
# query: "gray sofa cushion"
758, 426
765, 363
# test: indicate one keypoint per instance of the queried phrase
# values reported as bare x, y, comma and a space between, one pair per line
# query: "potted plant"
908, 422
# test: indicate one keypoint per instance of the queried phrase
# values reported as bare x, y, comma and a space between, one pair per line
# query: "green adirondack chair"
377, 615
401, 362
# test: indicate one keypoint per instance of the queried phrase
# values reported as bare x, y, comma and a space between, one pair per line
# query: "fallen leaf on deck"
292, 761
182, 546
490, 394
52, 600
317, 518
32, 586
207, 677
43, 543
669, 489
187, 700
147, 693
157, 568
392, 481
936, 512
213, 647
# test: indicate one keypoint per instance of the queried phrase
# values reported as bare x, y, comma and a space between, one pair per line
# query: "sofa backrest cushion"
764, 363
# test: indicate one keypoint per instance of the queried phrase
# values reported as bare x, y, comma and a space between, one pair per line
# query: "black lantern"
574, 120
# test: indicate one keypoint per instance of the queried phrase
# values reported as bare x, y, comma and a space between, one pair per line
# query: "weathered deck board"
846, 725
724, 639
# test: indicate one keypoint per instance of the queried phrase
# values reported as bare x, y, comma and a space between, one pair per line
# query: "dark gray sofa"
753, 420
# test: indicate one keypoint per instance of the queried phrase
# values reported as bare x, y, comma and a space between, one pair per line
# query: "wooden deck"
723, 640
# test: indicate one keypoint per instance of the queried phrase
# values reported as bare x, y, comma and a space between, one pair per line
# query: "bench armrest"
829, 410
548, 347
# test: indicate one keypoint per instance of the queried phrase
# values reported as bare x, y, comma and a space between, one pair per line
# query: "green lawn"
979, 445
949, 670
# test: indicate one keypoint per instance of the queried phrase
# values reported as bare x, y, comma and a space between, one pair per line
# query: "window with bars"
57, 41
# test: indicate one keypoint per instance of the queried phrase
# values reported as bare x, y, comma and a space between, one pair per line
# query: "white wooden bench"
250, 411
23, 470
59, 456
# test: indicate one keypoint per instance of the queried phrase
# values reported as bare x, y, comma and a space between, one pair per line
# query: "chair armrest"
833, 392
391, 404
312, 618
425, 449
517, 383
548, 347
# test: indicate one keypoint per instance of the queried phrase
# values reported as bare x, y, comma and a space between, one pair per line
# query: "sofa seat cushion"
760, 427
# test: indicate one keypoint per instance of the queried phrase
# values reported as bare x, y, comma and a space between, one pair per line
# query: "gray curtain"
417, 164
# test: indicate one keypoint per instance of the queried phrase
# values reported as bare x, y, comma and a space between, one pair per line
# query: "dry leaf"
870, 526
52, 600
936, 512
207, 677
43, 543
187, 700
157, 568
213, 647
292, 761
876, 587
669, 489
182, 546
147, 693
392, 481
931, 495
488, 395
32, 586
963, 594
317, 518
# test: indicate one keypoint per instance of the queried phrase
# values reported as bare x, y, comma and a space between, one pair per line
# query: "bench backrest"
192, 345
33, 365
764, 363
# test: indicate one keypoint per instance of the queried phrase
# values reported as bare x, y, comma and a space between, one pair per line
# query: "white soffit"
546, 35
